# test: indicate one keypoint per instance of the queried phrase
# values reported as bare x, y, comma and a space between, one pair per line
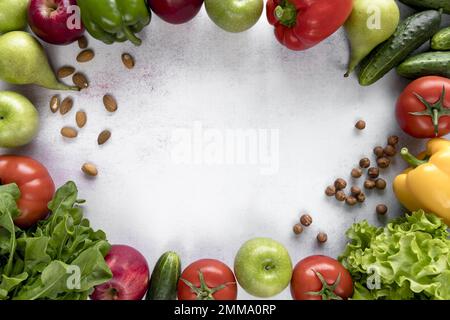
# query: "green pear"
370, 23
13, 15
23, 61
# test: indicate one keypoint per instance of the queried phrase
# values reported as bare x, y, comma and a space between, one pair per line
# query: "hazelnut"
351, 200
360, 125
364, 163
369, 184
381, 209
306, 220
378, 151
330, 191
340, 195
380, 184
383, 162
340, 184
322, 237
356, 172
298, 228
373, 172
392, 140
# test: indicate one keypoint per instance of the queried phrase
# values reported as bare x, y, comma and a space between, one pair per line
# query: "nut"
369, 184
393, 140
306, 220
298, 228
383, 162
54, 104
82, 42
80, 80
85, 55
360, 125
81, 119
351, 200
373, 172
356, 173
340, 195
89, 169
66, 105
110, 103
390, 151
340, 184
381, 209
361, 197
355, 191
364, 163
322, 237
103, 137
65, 71
380, 184
330, 191
69, 132
128, 60
378, 151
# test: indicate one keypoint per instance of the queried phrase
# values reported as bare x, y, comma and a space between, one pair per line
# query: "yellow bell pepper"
426, 184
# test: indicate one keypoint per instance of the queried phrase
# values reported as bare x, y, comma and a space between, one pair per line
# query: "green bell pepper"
115, 20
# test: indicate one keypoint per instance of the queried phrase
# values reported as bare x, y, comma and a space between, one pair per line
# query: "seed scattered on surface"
356, 173
340, 195
373, 172
383, 162
378, 151
80, 80
306, 220
355, 191
380, 184
65, 71
381, 209
361, 197
340, 184
369, 184
128, 61
69, 132
81, 119
85, 56
351, 200
103, 137
393, 140
330, 191
298, 228
390, 151
82, 42
54, 104
66, 105
90, 169
110, 103
322, 237
360, 125
364, 163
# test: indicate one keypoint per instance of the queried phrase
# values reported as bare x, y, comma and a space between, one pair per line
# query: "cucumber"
164, 280
426, 64
429, 4
441, 40
410, 35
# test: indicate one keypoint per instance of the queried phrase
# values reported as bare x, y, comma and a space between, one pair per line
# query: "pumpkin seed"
83, 42
80, 81
81, 119
89, 169
110, 103
85, 55
128, 60
65, 71
66, 105
54, 104
69, 132
103, 137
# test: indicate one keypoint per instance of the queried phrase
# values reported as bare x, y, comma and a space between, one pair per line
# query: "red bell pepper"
301, 24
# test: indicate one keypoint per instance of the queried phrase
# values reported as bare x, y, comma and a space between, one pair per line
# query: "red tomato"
176, 11
423, 108
35, 184
207, 279
321, 278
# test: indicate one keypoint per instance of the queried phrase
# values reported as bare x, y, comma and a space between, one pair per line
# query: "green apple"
13, 15
234, 15
263, 267
19, 120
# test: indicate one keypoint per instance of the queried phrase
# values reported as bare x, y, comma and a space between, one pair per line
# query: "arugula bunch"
408, 259
61, 258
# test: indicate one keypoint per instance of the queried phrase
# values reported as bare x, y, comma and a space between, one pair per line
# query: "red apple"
55, 21
130, 275
176, 11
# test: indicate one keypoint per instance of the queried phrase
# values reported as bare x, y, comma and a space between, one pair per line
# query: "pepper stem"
410, 159
131, 36
286, 13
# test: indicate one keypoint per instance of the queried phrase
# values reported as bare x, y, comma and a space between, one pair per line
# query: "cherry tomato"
35, 184
423, 108
176, 11
321, 278
207, 279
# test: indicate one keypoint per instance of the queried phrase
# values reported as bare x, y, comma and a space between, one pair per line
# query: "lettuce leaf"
408, 259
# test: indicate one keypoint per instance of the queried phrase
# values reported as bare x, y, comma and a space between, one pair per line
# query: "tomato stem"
204, 292
327, 291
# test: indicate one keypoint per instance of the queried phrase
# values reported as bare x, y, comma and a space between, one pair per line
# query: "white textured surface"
196, 72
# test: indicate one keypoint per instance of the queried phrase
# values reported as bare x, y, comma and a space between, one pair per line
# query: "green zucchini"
441, 40
409, 36
164, 280
426, 64
429, 4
